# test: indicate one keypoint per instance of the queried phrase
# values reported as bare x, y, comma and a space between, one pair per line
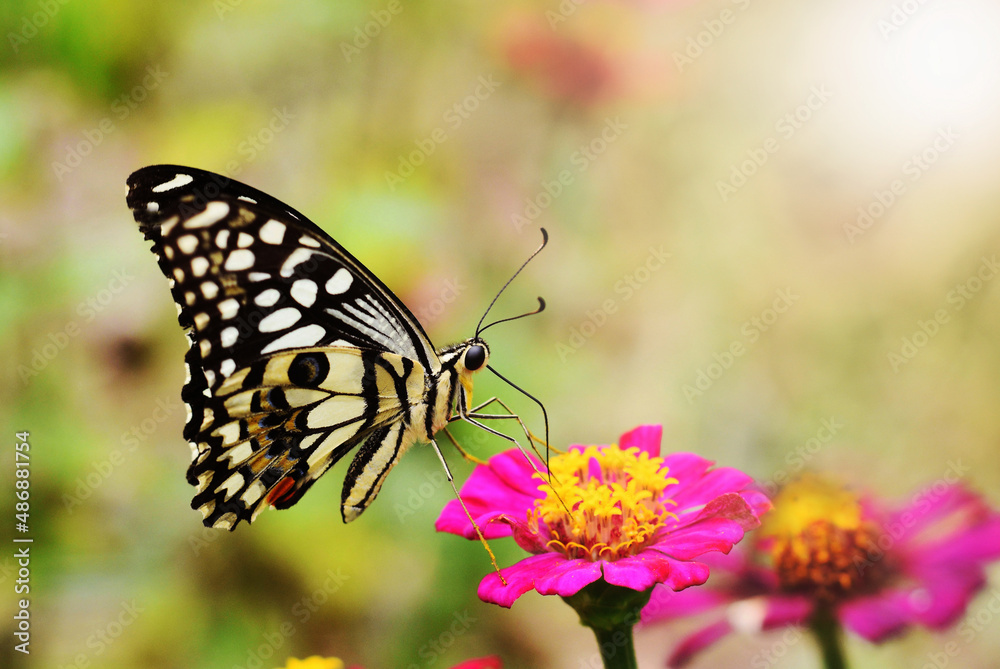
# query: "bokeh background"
766, 219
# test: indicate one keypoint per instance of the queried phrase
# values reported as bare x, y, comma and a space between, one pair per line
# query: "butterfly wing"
295, 347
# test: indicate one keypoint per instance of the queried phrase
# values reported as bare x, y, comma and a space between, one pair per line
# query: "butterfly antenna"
540, 309
545, 240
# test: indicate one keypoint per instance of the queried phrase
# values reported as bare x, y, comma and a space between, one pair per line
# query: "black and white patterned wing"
295, 347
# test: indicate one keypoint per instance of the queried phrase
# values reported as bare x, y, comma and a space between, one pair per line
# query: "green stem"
829, 635
617, 649
611, 612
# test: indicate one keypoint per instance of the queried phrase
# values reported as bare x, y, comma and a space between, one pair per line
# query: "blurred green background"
766, 218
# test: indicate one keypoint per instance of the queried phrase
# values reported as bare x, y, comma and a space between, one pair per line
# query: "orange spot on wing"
280, 490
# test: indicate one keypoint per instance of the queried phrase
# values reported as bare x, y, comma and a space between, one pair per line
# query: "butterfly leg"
474, 415
465, 454
531, 435
479, 533
473, 419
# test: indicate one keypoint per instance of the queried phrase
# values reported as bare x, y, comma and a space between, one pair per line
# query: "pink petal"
530, 541
946, 602
758, 501
567, 577
877, 617
962, 546
594, 470
737, 564
934, 503
548, 573
638, 572
975, 545
516, 472
684, 574
520, 579
505, 487
491, 662
943, 595
696, 491
697, 642
667, 604
709, 534
926, 511
454, 520
733, 507
734, 578
941, 540
685, 467
781, 613
785, 610
645, 437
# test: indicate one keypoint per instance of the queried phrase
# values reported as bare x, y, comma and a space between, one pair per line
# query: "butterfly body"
298, 354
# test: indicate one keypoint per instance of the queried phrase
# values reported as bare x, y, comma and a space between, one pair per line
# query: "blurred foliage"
612, 124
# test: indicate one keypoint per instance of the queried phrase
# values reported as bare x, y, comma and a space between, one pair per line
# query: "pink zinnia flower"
619, 512
824, 549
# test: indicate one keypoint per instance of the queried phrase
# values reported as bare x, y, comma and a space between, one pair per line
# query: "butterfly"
298, 354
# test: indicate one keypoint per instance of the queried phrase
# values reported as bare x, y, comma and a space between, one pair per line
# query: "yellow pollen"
603, 503
819, 540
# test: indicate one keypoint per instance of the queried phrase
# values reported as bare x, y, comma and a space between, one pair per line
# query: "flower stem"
617, 649
611, 612
827, 630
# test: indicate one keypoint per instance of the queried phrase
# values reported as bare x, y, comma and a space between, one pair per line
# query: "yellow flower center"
603, 503
819, 540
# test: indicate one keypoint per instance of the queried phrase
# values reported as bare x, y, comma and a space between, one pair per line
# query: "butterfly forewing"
249, 262
297, 352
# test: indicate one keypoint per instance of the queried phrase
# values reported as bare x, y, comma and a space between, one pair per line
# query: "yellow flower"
314, 662
818, 536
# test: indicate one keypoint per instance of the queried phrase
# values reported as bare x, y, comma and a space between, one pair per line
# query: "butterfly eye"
475, 357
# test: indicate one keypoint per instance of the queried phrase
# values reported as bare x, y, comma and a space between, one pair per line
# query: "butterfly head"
471, 356
477, 353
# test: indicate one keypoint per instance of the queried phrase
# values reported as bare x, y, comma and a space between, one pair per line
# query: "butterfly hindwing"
298, 354
271, 429
379, 454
